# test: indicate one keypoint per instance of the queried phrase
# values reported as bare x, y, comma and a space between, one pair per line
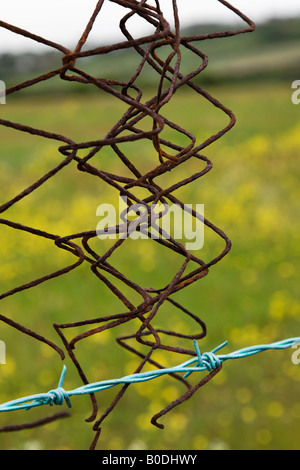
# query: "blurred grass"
250, 297
271, 53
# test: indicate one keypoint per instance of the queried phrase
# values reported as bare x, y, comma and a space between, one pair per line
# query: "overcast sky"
64, 20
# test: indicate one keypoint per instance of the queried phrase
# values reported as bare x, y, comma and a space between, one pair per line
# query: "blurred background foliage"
251, 297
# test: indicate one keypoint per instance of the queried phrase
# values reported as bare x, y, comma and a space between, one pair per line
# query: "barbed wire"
167, 156
209, 361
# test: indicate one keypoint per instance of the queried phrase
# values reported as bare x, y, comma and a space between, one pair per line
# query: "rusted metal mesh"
167, 156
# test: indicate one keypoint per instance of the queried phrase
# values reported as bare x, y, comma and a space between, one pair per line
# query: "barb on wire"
167, 156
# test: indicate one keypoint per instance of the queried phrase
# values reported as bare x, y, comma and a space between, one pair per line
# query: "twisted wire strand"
168, 156
208, 361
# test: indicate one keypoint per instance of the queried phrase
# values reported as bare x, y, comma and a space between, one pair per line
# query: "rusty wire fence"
133, 126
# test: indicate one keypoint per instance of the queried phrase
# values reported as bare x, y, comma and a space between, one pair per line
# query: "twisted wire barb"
168, 155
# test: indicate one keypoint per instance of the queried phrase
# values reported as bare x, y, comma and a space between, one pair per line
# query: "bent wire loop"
203, 362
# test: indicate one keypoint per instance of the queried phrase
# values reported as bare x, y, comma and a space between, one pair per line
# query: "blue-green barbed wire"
202, 362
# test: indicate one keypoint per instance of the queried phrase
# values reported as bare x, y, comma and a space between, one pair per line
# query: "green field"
251, 297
